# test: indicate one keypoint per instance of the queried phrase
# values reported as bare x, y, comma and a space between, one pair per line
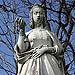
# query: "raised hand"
21, 24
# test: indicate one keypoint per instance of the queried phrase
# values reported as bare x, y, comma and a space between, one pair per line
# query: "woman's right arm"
23, 42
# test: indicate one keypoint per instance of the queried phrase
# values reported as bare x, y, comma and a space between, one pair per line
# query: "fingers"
18, 19
20, 22
35, 55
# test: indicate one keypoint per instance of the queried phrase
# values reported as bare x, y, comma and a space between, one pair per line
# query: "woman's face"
37, 14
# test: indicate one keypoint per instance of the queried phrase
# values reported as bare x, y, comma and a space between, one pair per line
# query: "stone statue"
37, 52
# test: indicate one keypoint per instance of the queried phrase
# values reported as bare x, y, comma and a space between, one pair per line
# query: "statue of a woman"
38, 50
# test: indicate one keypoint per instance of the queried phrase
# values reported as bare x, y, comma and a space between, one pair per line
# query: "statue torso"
39, 37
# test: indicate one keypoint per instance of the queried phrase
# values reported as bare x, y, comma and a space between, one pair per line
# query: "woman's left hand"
38, 52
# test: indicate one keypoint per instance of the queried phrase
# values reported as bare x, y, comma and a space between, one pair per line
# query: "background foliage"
61, 17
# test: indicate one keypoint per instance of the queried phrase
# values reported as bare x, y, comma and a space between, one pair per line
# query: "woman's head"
37, 16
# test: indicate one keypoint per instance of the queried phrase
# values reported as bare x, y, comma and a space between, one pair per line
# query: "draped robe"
48, 63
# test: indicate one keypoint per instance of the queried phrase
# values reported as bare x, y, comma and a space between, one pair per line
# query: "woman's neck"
39, 25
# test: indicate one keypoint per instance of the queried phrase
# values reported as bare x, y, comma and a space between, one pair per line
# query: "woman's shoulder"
49, 32
27, 33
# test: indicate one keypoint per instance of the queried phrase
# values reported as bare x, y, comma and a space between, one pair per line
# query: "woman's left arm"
56, 43
37, 52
